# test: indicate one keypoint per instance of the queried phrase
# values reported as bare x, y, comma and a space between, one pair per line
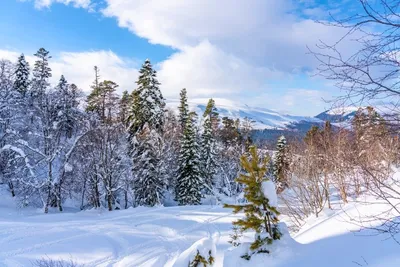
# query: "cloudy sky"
249, 51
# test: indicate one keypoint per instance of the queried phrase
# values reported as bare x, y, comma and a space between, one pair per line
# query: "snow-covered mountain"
344, 115
337, 115
264, 118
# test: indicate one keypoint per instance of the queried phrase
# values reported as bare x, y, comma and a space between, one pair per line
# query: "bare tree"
371, 73
368, 76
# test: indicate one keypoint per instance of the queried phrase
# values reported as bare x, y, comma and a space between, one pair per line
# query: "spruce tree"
260, 212
21, 82
41, 75
148, 102
281, 164
189, 181
183, 108
145, 124
208, 152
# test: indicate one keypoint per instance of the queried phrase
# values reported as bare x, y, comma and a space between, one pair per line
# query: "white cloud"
47, 3
78, 67
266, 33
205, 70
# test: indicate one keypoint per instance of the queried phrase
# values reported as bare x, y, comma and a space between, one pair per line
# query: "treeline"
108, 150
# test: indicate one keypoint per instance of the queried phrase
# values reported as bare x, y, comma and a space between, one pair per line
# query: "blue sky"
254, 52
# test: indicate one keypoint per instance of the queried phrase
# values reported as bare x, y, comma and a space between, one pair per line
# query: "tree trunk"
11, 186
50, 178
126, 199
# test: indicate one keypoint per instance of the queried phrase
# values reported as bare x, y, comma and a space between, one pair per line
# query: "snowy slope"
168, 236
264, 118
134, 237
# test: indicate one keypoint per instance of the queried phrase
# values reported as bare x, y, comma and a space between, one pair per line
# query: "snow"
170, 236
269, 191
68, 167
280, 251
342, 111
203, 246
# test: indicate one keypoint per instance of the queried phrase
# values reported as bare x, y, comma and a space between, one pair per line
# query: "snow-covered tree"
208, 151
171, 142
183, 108
21, 82
41, 74
103, 100
12, 164
148, 102
124, 107
189, 182
261, 214
148, 184
145, 124
281, 164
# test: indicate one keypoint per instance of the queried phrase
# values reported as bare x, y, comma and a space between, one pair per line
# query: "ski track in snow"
134, 237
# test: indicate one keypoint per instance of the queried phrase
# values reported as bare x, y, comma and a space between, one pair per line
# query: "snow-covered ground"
164, 236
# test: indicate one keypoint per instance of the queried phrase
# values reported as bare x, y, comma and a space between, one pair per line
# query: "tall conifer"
189, 182
21, 82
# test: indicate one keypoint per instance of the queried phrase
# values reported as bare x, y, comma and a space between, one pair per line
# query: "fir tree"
183, 108
148, 102
189, 182
281, 164
21, 82
145, 121
148, 185
64, 106
260, 215
41, 75
208, 146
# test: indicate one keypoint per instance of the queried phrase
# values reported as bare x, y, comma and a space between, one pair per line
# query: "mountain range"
263, 118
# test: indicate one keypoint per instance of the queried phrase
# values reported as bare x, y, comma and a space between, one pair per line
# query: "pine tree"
189, 182
103, 100
211, 112
110, 100
21, 82
208, 146
261, 214
281, 164
93, 100
41, 75
124, 107
183, 108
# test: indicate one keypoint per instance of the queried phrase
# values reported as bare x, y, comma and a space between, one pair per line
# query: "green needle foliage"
260, 216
